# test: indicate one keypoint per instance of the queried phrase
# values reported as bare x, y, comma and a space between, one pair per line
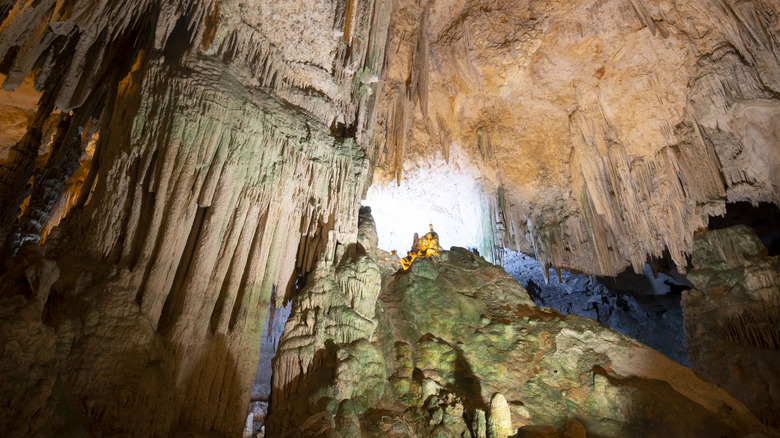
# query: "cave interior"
217, 218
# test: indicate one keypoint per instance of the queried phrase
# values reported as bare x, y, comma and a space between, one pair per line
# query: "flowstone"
474, 332
325, 365
229, 152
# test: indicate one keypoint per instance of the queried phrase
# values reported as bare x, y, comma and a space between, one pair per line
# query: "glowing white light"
442, 195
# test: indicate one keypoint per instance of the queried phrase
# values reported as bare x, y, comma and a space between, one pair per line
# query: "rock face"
465, 352
228, 157
607, 131
468, 327
732, 318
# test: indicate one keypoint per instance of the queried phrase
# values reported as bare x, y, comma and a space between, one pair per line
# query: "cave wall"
229, 155
221, 148
732, 318
643, 307
607, 131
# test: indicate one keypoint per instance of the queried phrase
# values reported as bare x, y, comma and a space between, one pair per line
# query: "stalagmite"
499, 421
327, 334
170, 170
214, 160
454, 329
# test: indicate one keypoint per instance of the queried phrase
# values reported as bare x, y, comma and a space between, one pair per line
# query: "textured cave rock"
261, 387
450, 334
16, 109
228, 157
763, 218
324, 356
644, 307
608, 131
732, 318
183, 163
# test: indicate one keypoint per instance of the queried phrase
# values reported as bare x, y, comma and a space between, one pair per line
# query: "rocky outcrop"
466, 328
202, 156
228, 158
732, 318
607, 132
465, 352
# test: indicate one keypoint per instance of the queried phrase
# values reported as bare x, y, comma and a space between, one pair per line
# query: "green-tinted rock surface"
456, 348
470, 328
732, 318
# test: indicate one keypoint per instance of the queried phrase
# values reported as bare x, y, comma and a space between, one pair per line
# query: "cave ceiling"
205, 156
609, 131
605, 132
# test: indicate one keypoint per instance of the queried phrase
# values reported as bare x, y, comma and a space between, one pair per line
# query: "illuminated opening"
452, 197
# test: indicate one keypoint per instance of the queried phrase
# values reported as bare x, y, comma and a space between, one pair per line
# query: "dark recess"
764, 218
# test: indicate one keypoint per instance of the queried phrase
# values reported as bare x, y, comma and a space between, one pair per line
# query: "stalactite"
215, 164
609, 166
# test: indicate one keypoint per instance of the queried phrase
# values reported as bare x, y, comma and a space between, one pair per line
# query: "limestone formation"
457, 337
606, 131
326, 371
644, 307
472, 329
732, 318
168, 169
228, 158
499, 422
425, 246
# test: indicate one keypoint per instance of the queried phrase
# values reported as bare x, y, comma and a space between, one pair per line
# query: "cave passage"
644, 306
763, 218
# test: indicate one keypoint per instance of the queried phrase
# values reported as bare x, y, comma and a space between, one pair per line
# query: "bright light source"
442, 195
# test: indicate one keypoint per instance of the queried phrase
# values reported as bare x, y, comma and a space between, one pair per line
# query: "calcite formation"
499, 424
325, 358
425, 246
606, 131
16, 108
465, 352
170, 168
228, 158
643, 307
732, 318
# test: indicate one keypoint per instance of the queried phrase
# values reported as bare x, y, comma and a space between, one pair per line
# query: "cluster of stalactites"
425, 246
